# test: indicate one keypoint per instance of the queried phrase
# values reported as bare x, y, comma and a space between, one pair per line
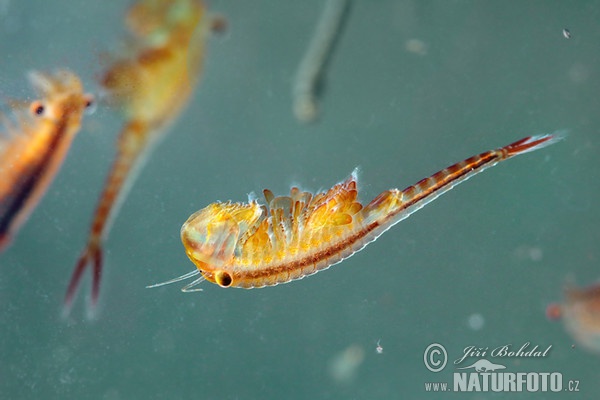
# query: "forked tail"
4, 241
392, 206
123, 172
531, 143
91, 255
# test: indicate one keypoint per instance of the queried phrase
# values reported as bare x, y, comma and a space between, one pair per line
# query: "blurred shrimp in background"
580, 312
36, 138
150, 85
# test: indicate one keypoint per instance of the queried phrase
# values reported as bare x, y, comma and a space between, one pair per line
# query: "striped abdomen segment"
393, 206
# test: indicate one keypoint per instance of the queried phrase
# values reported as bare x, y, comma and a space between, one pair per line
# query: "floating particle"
344, 365
527, 252
416, 46
536, 254
476, 321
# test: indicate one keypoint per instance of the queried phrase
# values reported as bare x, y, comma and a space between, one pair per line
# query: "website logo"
471, 372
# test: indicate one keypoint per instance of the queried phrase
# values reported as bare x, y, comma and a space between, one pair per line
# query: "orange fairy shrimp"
581, 314
151, 86
35, 144
249, 245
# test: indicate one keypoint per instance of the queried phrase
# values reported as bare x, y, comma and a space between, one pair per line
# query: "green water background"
500, 246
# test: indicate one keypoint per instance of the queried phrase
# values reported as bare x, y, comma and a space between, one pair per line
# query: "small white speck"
379, 349
566, 33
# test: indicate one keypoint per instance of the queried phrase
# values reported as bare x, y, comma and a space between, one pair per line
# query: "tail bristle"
91, 256
532, 143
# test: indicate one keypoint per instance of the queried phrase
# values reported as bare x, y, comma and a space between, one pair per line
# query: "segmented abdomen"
323, 246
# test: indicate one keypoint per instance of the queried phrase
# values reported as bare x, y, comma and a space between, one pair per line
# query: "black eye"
89, 104
37, 108
223, 279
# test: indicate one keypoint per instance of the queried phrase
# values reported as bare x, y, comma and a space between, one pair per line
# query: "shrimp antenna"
188, 288
180, 278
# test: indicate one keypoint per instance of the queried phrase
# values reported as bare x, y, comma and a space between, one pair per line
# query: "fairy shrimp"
580, 312
249, 245
34, 144
312, 68
150, 85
